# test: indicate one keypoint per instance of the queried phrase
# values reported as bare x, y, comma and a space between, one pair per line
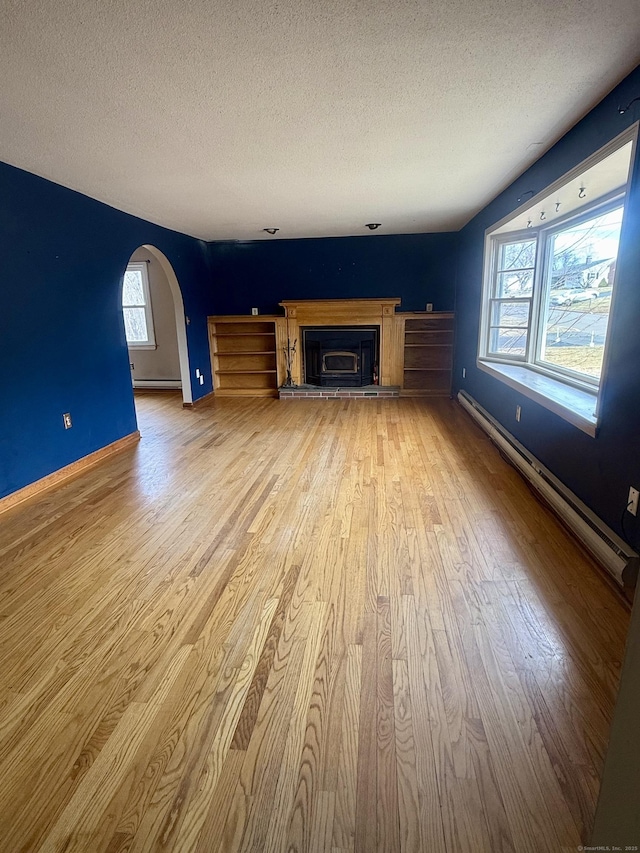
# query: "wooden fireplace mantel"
336, 312
248, 352
345, 312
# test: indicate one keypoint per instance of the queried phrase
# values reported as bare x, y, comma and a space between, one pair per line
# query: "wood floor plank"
345, 809
188, 811
429, 726
388, 838
249, 715
366, 835
243, 827
408, 785
73, 829
314, 626
290, 816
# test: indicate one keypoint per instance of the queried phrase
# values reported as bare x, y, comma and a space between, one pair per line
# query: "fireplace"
336, 362
340, 356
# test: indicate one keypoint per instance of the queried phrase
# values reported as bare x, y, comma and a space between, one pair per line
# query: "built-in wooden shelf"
243, 355
248, 352
428, 354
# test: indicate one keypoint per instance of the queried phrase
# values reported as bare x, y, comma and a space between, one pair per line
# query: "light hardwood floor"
301, 626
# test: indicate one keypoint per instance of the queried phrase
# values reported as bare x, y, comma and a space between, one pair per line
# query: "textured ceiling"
220, 119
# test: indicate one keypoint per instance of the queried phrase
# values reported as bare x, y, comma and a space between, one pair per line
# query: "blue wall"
62, 343
419, 268
62, 346
599, 470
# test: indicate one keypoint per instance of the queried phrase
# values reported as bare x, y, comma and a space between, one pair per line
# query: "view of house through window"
550, 274
136, 307
577, 285
580, 273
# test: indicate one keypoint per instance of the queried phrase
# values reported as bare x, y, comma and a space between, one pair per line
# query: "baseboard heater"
160, 384
612, 552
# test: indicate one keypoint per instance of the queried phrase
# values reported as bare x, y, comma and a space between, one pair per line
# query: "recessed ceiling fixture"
271, 230
372, 225
623, 110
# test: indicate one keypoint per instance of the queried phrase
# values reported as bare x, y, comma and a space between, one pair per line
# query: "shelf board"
227, 372
247, 352
246, 392
428, 345
255, 334
423, 369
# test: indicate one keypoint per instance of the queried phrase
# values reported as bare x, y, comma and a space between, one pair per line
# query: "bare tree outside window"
580, 279
136, 307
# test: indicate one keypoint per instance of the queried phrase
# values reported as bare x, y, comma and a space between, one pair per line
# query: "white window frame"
560, 389
538, 300
489, 299
150, 343
605, 204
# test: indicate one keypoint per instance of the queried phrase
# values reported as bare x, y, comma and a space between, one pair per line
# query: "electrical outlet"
632, 503
518, 413
254, 312
464, 372
131, 365
66, 420
429, 306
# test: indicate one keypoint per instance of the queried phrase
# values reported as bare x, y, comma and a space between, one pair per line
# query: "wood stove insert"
340, 356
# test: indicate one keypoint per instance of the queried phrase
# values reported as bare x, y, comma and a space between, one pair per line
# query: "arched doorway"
155, 323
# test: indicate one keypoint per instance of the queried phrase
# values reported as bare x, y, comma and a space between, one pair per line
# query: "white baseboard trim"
160, 384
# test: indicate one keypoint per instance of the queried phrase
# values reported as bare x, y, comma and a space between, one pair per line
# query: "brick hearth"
306, 391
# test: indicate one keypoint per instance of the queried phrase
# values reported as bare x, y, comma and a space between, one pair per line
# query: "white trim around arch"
181, 327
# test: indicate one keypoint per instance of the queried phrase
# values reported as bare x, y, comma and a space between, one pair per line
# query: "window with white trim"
550, 274
136, 307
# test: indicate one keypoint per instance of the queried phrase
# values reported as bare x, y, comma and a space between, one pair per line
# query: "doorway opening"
155, 324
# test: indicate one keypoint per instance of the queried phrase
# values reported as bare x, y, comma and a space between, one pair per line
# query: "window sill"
572, 404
